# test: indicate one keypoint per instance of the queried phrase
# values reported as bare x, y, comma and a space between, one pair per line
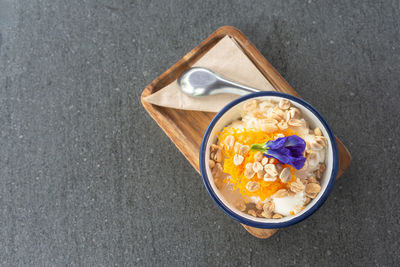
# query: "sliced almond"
307, 201
295, 122
249, 173
293, 113
317, 131
297, 186
238, 159
278, 112
260, 174
250, 105
277, 216
285, 175
312, 190
257, 166
269, 206
264, 161
281, 193
237, 147
243, 150
258, 156
249, 165
284, 104
218, 155
252, 186
283, 125
229, 141
270, 169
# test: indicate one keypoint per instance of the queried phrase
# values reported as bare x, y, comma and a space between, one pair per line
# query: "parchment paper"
228, 60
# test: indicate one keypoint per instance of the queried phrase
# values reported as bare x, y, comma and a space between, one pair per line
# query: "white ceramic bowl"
230, 113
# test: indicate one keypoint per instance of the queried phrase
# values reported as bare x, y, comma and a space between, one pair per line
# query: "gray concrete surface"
88, 179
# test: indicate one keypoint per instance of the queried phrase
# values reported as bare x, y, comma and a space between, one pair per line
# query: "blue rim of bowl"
268, 225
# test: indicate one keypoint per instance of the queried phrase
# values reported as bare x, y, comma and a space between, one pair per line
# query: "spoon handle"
225, 86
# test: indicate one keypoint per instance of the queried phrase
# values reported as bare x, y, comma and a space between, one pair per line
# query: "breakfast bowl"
253, 183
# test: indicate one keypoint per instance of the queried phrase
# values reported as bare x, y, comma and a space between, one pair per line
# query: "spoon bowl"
199, 81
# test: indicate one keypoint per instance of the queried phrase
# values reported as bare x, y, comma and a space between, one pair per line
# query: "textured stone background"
88, 178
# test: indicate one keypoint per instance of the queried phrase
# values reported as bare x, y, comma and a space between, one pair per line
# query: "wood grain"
185, 128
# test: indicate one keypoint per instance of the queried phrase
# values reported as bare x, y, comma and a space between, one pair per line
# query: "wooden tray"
186, 128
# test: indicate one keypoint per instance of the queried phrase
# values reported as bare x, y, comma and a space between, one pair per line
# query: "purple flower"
288, 150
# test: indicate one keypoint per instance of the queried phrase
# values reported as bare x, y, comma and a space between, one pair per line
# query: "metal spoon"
201, 82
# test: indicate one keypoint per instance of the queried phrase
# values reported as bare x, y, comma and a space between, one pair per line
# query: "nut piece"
317, 131
264, 161
277, 216
270, 169
260, 174
252, 186
312, 180
237, 147
279, 112
211, 163
241, 206
229, 141
284, 104
250, 105
257, 166
307, 201
259, 205
285, 175
297, 186
258, 156
312, 190
293, 113
238, 159
217, 170
269, 206
318, 143
218, 155
267, 215
243, 150
214, 148
252, 213
249, 173
281, 193
283, 125
295, 122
